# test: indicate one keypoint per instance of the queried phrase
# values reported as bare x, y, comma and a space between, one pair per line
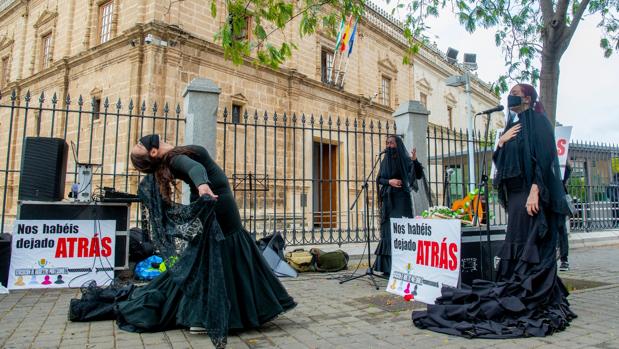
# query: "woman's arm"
381, 179
195, 171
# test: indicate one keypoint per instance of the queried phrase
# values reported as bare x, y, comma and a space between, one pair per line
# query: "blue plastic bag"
149, 268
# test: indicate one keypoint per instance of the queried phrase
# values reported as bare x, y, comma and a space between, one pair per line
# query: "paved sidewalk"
329, 315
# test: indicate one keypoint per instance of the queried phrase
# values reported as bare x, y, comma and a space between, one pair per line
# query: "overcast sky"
588, 86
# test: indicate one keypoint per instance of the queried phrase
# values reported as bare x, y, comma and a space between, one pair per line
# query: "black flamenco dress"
528, 298
395, 202
218, 278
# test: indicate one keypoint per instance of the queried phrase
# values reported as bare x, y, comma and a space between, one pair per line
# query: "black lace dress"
528, 298
218, 278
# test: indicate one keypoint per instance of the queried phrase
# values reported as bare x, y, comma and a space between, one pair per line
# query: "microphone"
490, 111
382, 152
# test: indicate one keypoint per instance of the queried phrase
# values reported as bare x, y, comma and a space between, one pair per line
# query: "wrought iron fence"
594, 185
102, 131
300, 174
296, 174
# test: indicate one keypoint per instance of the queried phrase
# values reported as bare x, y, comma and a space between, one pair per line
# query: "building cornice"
8, 6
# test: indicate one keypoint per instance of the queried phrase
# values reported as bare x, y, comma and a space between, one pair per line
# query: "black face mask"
150, 141
513, 101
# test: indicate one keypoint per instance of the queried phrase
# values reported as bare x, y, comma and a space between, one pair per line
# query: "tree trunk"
549, 84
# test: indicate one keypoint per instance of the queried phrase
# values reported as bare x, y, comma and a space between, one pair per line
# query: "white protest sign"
60, 253
425, 255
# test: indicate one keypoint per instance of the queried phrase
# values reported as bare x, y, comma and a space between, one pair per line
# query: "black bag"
140, 246
277, 244
570, 204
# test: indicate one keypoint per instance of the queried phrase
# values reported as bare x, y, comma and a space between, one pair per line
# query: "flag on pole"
345, 36
352, 39
339, 34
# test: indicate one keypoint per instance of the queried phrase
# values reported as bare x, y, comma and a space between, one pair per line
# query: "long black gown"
395, 202
528, 299
220, 281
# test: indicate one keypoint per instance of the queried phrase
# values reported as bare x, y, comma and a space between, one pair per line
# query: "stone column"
411, 120
201, 99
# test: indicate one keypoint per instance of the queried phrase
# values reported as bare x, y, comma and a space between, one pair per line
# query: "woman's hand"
533, 201
509, 134
414, 154
396, 183
204, 189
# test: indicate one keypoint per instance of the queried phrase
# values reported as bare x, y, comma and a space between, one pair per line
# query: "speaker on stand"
43, 169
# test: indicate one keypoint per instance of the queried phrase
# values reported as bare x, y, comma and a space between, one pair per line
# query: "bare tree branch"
567, 35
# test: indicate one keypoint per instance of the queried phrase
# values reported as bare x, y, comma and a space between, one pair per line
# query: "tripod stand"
366, 222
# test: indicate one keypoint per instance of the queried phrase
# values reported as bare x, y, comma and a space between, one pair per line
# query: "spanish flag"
346, 36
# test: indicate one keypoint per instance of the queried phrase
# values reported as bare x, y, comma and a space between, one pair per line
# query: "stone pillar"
411, 120
201, 100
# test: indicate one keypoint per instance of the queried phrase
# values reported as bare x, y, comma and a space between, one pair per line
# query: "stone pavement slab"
329, 315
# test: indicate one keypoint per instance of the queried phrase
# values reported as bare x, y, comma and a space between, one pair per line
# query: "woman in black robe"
217, 280
528, 298
397, 176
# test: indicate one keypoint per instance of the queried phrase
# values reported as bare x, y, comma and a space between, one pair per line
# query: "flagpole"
337, 45
344, 74
337, 72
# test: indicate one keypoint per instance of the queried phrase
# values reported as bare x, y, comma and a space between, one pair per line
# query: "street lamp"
469, 64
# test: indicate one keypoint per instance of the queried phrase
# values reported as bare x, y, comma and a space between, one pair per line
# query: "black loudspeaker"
479, 260
43, 169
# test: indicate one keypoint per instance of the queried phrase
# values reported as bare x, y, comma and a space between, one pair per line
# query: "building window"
423, 98
236, 113
96, 108
4, 74
385, 91
326, 64
450, 116
105, 21
241, 34
46, 50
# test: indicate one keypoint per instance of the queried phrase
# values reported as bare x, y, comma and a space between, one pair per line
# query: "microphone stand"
483, 184
366, 222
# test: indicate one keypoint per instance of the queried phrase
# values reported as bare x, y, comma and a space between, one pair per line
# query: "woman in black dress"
397, 176
529, 299
217, 280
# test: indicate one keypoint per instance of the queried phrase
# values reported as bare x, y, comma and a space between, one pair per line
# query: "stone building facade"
147, 51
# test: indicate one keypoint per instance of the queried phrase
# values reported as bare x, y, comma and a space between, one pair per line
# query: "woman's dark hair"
530, 91
160, 167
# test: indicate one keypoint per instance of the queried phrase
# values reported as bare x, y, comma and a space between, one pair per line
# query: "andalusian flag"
339, 35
